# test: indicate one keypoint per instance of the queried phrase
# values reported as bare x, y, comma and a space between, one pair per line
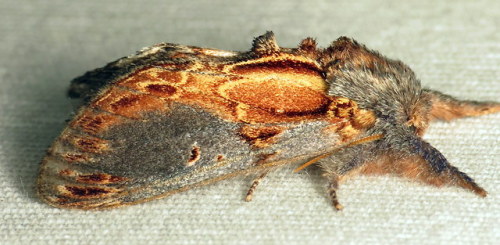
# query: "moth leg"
254, 185
333, 186
445, 107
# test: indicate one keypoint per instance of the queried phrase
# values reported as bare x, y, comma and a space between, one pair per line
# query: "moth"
172, 117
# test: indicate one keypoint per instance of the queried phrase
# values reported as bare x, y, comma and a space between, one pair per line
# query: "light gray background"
453, 46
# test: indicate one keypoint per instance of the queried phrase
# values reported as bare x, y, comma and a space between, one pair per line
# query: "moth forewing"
175, 117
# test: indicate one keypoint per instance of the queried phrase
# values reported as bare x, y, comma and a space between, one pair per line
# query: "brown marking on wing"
173, 65
194, 156
163, 90
67, 172
84, 192
100, 178
65, 202
157, 82
264, 158
180, 55
349, 132
260, 137
293, 68
122, 102
200, 90
174, 77
158, 75
347, 120
73, 157
87, 143
341, 107
95, 123
254, 115
220, 157
276, 66
94, 178
363, 119
213, 52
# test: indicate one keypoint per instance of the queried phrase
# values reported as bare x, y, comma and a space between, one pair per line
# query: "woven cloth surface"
453, 46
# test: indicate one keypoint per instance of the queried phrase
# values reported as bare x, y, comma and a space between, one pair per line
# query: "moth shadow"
319, 182
34, 123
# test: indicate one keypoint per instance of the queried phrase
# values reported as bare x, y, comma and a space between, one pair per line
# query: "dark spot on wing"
195, 156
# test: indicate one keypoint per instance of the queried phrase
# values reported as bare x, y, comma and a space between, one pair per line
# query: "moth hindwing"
175, 117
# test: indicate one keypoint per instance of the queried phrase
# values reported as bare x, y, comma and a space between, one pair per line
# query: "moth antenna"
356, 142
314, 160
265, 44
445, 107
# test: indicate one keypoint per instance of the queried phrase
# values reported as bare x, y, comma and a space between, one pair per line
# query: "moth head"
418, 115
387, 87
403, 110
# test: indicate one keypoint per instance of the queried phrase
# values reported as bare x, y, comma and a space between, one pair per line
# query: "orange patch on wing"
183, 86
219, 106
245, 113
155, 80
201, 90
276, 96
129, 104
276, 88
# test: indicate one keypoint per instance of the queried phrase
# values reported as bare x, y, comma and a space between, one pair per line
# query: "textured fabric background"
453, 46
